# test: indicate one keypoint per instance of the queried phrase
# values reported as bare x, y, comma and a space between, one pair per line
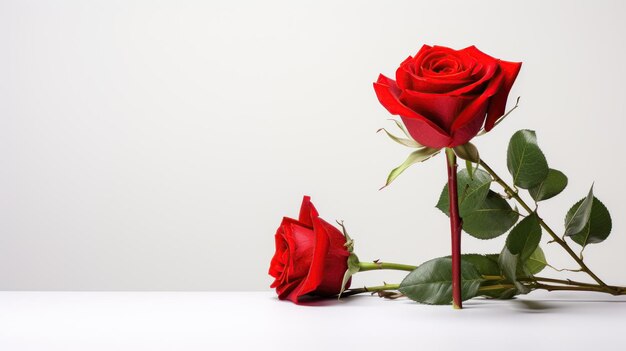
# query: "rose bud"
443, 95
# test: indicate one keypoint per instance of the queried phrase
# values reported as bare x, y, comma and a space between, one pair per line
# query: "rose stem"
370, 266
455, 229
535, 279
577, 288
371, 289
512, 193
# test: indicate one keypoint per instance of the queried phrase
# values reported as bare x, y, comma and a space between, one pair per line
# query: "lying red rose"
310, 258
443, 95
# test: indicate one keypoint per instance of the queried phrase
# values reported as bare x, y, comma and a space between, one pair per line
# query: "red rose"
310, 258
443, 95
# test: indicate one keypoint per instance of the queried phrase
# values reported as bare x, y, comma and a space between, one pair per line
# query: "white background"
155, 145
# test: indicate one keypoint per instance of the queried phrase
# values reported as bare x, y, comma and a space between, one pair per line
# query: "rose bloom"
310, 259
443, 95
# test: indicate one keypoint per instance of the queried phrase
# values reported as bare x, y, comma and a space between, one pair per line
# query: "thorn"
376, 260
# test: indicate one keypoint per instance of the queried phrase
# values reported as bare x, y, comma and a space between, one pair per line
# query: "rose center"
445, 66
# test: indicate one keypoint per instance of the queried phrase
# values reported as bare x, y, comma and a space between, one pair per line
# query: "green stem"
370, 266
567, 282
561, 281
536, 285
496, 287
493, 277
513, 194
619, 289
595, 288
371, 289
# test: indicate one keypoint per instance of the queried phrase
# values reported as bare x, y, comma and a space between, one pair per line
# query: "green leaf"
536, 262
522, 256
431, 282
509, 264
597, 228
550, 187
491, 219
524, 237
525, 161
471, 190
510, 293
485, 264
416, 156
577, 217
401, 141
467, 152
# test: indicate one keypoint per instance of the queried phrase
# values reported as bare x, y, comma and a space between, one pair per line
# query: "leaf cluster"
486, 215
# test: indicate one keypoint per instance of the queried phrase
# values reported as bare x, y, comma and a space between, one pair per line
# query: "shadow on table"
550, 305
519, 304
538, 306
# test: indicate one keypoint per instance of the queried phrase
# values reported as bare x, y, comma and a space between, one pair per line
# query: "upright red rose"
443, 95
310, 258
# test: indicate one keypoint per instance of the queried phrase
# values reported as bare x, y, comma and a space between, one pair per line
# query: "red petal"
421, 129
302, 243
424, 134
476, 110
410, 81
276, 265
403, 75
337, 239
315, 275
497, 105
509, 71
477, 54
336, 262
288, 291
489, 69
460, 65
415, 66
307, 212
441, 109
469, 130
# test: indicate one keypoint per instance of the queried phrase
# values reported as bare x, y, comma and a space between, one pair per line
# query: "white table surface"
258, 321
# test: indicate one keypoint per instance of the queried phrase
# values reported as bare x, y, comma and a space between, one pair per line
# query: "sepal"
419, 155
467, 152
353, 259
